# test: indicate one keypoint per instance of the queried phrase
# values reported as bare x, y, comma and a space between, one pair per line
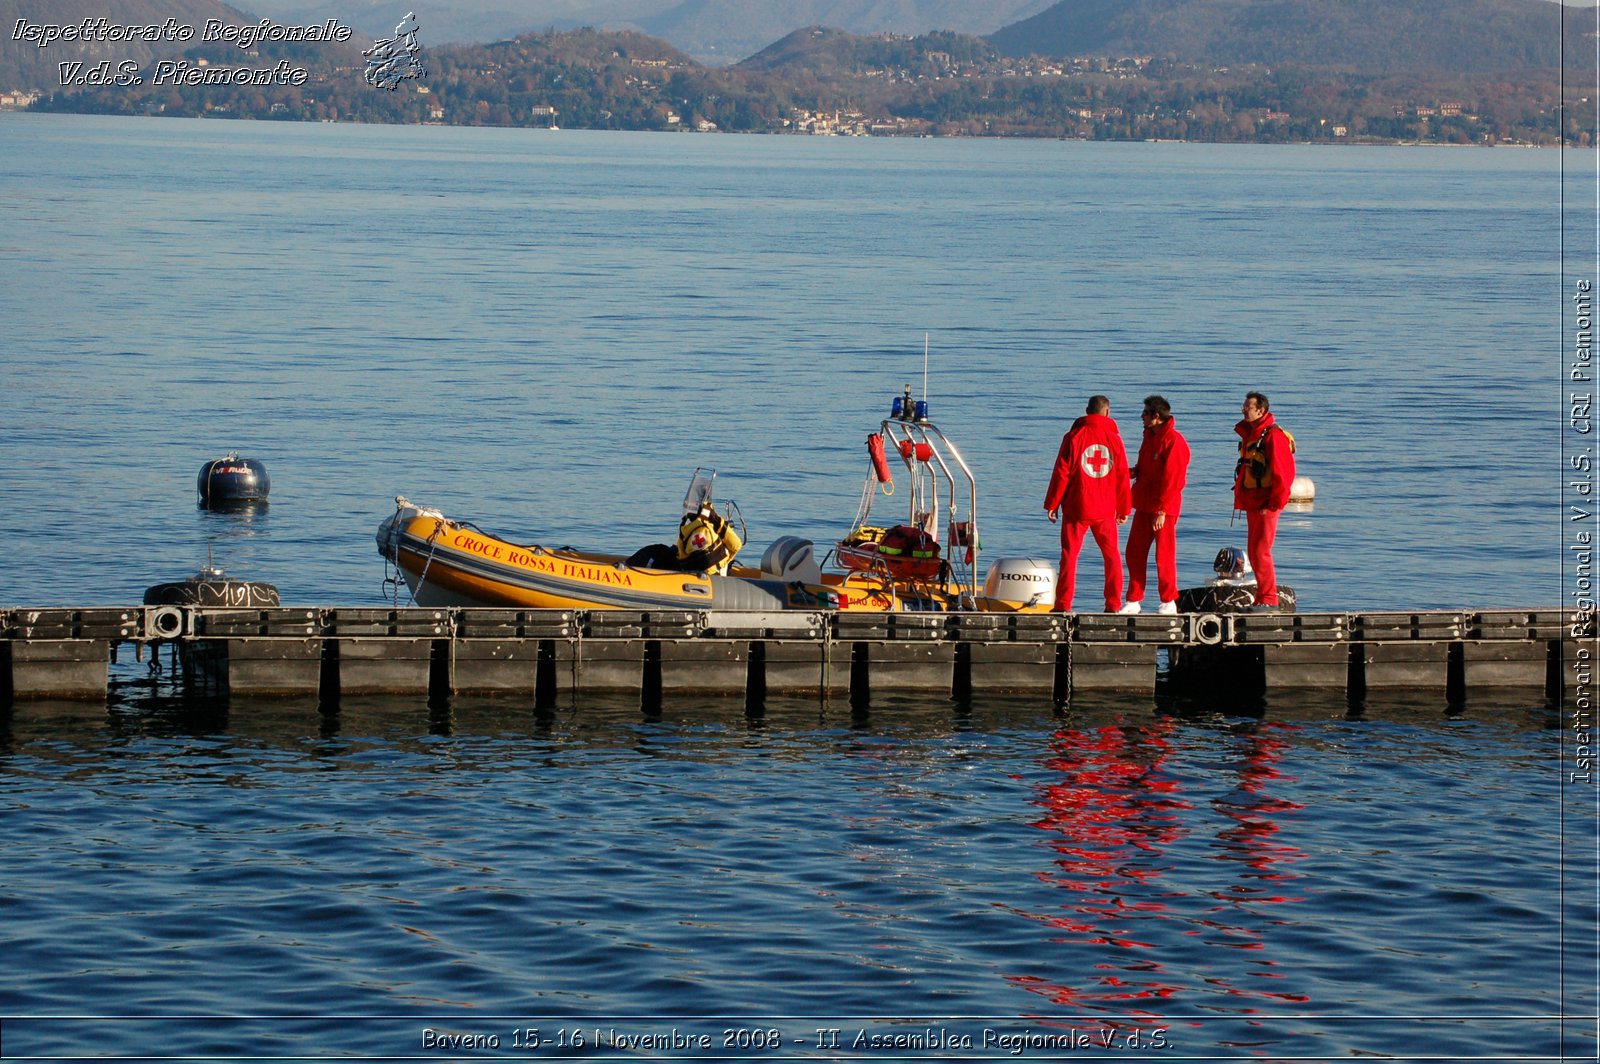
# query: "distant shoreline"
1343, 142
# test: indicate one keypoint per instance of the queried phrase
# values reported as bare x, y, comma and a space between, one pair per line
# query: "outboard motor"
1232, 590
231, 480
1232, 566
1028, 581
791, 559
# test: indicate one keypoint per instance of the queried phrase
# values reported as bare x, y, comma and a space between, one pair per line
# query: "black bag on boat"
655, 556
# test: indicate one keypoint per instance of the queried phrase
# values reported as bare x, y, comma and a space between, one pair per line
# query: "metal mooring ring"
1208, 629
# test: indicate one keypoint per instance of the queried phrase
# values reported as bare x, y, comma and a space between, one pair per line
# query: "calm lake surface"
545, 333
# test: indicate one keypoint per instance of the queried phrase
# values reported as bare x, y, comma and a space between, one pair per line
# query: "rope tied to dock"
433, 547
394, 575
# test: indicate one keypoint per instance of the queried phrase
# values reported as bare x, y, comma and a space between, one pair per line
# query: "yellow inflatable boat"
904, 566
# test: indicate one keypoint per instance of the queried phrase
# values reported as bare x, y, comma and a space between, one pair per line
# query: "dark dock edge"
330, 652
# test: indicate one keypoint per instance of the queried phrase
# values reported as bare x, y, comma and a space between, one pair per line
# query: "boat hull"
449, 564
446, 563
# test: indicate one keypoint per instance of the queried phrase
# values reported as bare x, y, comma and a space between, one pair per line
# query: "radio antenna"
924, 366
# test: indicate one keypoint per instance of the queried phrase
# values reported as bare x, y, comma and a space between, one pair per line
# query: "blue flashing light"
922, 410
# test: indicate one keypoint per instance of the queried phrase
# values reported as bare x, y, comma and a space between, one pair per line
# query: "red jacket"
1090, 479
1280, 463
1163, 466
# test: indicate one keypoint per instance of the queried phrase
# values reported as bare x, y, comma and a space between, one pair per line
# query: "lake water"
545, 333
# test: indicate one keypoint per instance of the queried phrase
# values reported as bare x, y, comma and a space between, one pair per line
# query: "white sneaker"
1130, 607
1167, 607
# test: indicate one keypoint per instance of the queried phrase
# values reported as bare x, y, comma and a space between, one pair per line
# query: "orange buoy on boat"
880, 464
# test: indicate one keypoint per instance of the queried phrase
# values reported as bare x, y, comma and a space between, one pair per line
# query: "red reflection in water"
1115, 812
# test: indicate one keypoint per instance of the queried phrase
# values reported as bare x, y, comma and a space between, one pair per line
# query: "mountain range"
1369, 37
730, 30
1358, 34
715, 32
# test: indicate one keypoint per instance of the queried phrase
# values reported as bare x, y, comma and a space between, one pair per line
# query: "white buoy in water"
1302, 490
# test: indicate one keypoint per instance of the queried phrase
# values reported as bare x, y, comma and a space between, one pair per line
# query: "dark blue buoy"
230, 479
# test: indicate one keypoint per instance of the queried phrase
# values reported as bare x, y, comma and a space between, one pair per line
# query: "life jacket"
706, 541
1253, 470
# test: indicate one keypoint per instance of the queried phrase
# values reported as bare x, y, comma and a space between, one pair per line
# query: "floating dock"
65, 654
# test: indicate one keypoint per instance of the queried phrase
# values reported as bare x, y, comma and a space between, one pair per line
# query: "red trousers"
1141, 533
1105, 534
1263, 529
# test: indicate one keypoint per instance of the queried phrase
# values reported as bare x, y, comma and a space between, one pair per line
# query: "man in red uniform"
1261, 489
1158, 479
1089, 488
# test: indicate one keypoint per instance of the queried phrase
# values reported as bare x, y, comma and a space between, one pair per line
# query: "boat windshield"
699, 493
